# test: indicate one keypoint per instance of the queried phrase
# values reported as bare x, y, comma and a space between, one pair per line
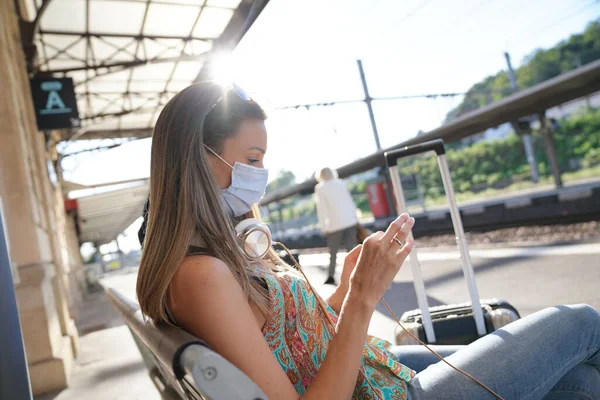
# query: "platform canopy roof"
129, 57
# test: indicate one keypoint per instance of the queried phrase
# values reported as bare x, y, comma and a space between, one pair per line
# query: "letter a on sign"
54, 100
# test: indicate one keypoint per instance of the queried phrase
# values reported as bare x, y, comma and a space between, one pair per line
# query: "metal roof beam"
123, 35
139, 133
121, 113
140, 93
28, 31
125, 65
168, 3
40, 12
64, 50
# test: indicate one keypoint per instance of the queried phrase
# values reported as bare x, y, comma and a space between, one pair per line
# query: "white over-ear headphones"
255, 236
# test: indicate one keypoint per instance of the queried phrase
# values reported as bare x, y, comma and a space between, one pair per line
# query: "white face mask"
248, 186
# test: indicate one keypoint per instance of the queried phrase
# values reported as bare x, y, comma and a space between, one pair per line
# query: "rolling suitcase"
454, 323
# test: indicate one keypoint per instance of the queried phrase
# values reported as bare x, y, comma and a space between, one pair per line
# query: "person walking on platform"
336, 213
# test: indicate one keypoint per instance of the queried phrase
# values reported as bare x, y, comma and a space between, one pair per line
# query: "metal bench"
180, 365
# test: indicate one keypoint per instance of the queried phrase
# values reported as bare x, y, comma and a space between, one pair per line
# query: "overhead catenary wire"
570, 15
472, 10
401, 97
562, 18
439, 29
405, 17
388, 27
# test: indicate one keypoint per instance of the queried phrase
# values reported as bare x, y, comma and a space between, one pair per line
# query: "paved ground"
531, 278
109, 367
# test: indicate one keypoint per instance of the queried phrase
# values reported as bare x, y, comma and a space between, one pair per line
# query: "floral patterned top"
298, 336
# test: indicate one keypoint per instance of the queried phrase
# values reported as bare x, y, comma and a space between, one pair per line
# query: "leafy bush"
485, 164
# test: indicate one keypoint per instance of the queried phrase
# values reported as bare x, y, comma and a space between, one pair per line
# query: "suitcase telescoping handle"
392, 158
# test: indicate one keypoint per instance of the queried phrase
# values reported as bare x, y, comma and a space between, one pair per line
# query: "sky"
305, 51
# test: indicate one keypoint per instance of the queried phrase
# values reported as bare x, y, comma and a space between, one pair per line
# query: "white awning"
102, 217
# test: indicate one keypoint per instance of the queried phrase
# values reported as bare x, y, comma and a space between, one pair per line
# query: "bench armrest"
216, 377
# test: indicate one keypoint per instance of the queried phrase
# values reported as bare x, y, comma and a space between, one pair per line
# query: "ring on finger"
400, 242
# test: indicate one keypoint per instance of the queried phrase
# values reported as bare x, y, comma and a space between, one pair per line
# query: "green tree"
501, 162
284, 179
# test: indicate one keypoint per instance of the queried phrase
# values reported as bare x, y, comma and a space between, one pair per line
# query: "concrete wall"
42, 242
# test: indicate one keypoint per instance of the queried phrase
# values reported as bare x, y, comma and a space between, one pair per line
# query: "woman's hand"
349, 265
380, 260
336, 299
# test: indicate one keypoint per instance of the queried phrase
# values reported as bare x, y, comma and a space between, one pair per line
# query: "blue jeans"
552, 354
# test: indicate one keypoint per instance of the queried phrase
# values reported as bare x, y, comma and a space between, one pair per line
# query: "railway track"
577, 203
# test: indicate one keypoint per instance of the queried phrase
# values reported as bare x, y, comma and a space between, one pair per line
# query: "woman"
337, 216
206, 174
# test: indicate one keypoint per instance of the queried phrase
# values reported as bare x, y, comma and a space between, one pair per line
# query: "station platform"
543, 205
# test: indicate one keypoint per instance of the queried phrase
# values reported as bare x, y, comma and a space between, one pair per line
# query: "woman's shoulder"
199, 268
199, 279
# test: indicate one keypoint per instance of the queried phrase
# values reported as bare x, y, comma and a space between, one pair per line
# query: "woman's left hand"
349, 265
336, 299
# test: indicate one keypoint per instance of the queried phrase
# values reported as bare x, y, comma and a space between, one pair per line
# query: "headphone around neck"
254, 234
255, 237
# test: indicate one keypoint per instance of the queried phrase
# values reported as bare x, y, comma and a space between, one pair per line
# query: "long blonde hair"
185, 201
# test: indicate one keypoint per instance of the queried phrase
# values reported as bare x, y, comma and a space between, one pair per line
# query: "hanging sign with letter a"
55, 104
